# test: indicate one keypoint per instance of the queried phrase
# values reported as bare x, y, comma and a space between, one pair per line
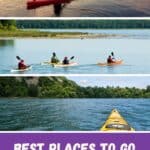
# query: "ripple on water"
64, 114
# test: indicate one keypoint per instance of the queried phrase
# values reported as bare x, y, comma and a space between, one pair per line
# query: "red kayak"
32, 4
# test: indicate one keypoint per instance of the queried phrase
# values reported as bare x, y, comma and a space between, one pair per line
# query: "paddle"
72, 57
18, 57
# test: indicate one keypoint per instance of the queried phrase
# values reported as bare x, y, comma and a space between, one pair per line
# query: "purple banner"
74, 141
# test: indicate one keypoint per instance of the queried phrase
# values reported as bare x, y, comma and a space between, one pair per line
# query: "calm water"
79, 8
130, 45
121, 33
70, 114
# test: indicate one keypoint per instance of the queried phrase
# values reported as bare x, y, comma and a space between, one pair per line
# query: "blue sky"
122, 81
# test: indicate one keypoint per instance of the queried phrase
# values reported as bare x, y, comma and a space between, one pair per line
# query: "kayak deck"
48, 63
21, 70
59, 64
117, 62
65, 65
115, 122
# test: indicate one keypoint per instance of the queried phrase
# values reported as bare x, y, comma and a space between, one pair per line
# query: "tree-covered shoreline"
8, 25
75, 24
9, 29
61, 87
30, 28
84, 24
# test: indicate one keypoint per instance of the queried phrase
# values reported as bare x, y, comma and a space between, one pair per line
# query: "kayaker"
110, 60
113, 56
65, 61
21, 65
54, 58
57, 9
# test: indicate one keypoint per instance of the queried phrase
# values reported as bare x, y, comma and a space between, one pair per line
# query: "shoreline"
6, 34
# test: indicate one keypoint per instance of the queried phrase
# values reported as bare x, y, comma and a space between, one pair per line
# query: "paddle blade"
72, 58
18, 57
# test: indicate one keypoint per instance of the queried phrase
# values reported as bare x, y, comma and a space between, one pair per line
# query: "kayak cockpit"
118, 127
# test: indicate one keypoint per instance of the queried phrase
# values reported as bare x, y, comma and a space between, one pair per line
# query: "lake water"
79, 8
70, 114
130, 45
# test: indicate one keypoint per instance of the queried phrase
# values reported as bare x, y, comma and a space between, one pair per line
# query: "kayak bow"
115, 122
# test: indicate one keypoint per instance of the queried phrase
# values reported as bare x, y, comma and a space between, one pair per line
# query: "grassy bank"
41, 34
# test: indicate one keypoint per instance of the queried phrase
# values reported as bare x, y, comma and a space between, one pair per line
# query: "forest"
83, 24
7, 24
75, 24
61, 87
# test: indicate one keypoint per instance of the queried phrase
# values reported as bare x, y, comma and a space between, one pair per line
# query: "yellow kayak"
59, 64
48, 63
65, 65
115, 122
117, 62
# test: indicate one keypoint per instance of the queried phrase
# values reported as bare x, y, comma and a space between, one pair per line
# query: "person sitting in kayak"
66, 61
110, 60
21, 65
54, 58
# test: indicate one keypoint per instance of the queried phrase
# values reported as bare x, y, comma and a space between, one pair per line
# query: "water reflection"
9, 43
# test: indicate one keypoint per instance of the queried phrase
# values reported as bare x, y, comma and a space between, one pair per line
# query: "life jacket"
110, 60
21, 65
65, 61
54, 59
